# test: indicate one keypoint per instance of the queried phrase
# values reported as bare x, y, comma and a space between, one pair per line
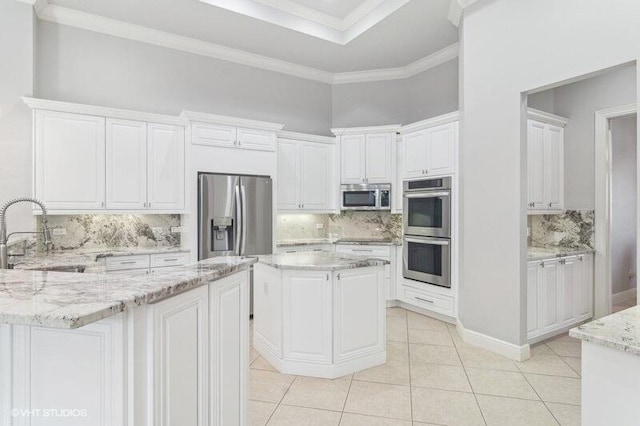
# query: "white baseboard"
623, 296
515, 352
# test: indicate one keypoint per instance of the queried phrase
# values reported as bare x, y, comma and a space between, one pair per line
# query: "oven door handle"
435, 241
428, 194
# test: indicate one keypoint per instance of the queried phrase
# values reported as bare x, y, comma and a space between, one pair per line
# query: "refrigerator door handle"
244, 218
239, 222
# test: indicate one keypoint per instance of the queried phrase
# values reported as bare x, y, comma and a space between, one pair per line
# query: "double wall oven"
427, 231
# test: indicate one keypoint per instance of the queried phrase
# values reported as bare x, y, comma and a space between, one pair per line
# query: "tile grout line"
344, 405
464, 368
406, 318
543, 401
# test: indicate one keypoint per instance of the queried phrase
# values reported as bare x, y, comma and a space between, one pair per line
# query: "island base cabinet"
181, 361
320, 323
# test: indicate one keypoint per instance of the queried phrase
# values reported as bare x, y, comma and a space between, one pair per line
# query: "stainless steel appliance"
427, 259
235, 216
366, 196
427, 207
427, 231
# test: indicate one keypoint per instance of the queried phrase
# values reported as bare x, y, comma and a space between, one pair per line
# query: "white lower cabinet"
559, 294
181, 361
381, 252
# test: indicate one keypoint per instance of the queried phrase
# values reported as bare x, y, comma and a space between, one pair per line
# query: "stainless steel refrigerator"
235, 217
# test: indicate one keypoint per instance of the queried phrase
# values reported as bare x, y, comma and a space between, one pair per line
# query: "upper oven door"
359, 199
427, 213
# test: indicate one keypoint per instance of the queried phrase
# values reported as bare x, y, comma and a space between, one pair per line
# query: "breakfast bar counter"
320, 314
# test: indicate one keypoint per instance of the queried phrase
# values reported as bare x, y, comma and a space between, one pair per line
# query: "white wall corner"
509, 350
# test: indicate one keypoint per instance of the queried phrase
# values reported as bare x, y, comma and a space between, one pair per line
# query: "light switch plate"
59, 231
175, 229
319, 225
156, 229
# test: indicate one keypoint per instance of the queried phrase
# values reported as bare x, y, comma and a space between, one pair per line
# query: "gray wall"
578, 102
16, 80
428, 94
624, 132
82, 66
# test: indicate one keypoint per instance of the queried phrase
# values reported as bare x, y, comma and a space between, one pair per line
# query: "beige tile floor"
431, 378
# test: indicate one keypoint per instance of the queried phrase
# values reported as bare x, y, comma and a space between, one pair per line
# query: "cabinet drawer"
213, 135
365, 250
127, 262
169, 259
305, 248
426, 300
144, 271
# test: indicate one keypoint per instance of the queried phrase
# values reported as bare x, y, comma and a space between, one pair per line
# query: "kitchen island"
611, 368
320, 314
94, 349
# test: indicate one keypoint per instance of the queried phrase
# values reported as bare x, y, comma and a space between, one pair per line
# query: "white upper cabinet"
165, 167
545, 161
367, 154
378, 163
429, 151
306, 173
213, 135
353, 158
70, 160
230, 132
126, 164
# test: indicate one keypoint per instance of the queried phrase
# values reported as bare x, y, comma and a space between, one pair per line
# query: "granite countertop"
620, 331
71, 300
542, 253
89, 259
320, 261
354, 241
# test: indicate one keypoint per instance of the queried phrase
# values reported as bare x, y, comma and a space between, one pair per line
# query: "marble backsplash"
349, 224
114, 231
571, 229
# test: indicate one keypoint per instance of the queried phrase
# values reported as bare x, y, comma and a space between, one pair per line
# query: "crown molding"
304, 19
431, 122
305, 137
125, 114
456, 10
95, 23
547, 117
438, 58
390, 128
204, 117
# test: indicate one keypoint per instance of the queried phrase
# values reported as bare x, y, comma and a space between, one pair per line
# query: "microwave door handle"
428, 194
435, 241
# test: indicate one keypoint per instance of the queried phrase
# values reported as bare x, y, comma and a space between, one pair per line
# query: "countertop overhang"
71, 300
543, 253
620, 331
320, 261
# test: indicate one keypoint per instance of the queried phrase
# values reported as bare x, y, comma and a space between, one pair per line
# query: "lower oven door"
427, 260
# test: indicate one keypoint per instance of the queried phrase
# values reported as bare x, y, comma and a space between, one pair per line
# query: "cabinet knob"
550, 204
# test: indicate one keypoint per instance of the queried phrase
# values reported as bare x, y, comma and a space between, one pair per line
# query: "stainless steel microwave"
365, 197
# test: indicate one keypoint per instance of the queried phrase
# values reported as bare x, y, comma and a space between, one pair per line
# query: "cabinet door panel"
535, 164
180, 348
570, 275
165, 148
126, 164
378, 158
359, 305
441, 143
307, 316
259, 140
533, 298
352, 158
213, 135
550, 294
415, 154
316, 162
584, 288
553, 167
288, 176
70, 160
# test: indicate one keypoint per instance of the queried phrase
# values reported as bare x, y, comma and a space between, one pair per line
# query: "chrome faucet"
4, 258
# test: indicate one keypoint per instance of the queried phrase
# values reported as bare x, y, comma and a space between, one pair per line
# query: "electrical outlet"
319, 225
59, 231
175, 229
156, 229
528, 231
